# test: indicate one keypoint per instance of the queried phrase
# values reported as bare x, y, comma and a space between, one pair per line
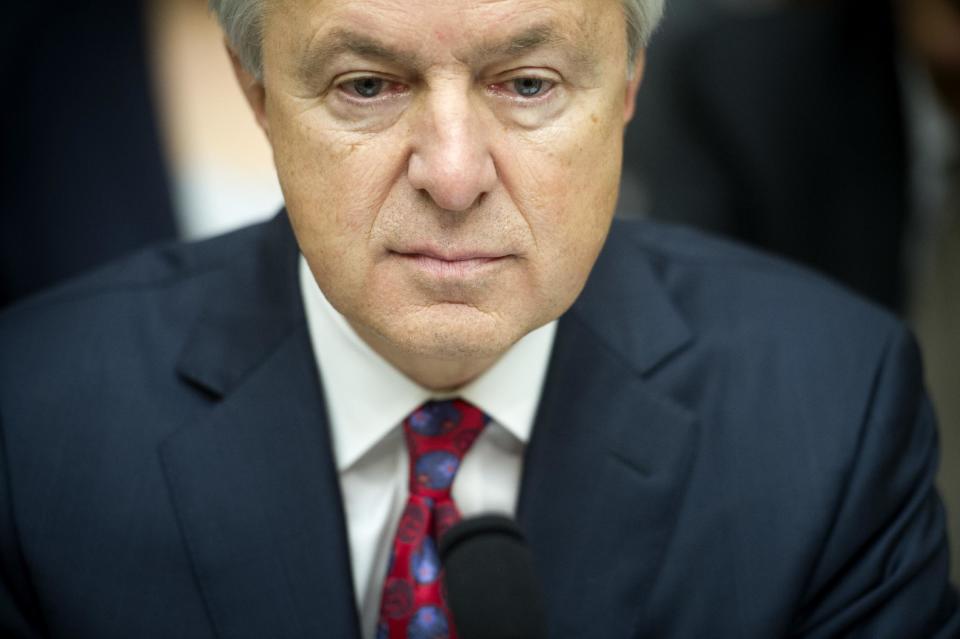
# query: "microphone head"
492, 588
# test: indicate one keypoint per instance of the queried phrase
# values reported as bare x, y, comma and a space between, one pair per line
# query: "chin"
453, 332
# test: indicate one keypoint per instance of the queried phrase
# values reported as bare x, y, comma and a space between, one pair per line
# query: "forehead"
468, 30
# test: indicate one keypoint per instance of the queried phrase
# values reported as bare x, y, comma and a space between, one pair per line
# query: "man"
705, 443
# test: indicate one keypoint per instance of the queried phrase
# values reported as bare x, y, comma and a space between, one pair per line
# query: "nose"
451, 160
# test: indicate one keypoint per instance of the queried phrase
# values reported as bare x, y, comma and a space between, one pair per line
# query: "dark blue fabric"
726, 446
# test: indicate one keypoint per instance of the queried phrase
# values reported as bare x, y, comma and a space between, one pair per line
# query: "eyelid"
505, 79
342, 81
540, 73
497, 86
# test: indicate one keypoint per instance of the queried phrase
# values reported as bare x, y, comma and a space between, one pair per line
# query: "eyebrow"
538, 36
581, 52
529, 39
343, 41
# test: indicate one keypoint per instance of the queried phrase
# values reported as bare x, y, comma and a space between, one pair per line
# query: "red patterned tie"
412, 605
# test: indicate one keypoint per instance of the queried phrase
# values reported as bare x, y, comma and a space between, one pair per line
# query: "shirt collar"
508, 391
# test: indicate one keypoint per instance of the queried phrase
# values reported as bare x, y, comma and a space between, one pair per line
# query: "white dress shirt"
367, 400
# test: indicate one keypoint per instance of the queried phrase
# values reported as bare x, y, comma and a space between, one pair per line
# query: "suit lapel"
609, 458
253, 481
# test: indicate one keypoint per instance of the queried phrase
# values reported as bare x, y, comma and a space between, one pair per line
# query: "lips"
451, 264
451, 256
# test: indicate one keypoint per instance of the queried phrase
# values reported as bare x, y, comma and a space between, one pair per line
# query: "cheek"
334, 185
567, 185
564, 185
334, 182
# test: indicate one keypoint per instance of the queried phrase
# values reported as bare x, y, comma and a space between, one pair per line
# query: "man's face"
450, 167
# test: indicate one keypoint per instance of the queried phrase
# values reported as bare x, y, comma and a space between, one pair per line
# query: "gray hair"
242, 22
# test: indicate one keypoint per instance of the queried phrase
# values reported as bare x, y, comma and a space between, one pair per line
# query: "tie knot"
439, 433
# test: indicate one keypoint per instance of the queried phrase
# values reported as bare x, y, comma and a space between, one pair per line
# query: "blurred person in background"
127, 130
83, 175
826, 131
932, 30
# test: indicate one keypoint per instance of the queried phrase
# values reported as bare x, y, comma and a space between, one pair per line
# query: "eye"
367, 87
529, 87
525, 88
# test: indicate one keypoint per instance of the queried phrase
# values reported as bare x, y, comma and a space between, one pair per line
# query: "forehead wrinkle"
319, 53
341, 41
530, 38
538, 36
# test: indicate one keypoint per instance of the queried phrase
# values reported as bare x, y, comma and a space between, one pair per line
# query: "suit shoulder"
774, 342
157, 267
725, 288
775, 350
148, 296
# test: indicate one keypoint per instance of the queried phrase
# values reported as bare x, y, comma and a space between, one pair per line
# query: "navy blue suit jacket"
725, 447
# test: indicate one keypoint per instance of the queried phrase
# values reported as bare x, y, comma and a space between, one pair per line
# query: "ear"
252, 88
633, 84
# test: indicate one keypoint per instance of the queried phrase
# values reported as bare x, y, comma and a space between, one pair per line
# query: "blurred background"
827, 131
123, 127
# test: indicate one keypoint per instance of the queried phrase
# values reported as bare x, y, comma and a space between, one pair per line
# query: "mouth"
451, 265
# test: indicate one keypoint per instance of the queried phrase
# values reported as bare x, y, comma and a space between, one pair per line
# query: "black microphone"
492, 589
